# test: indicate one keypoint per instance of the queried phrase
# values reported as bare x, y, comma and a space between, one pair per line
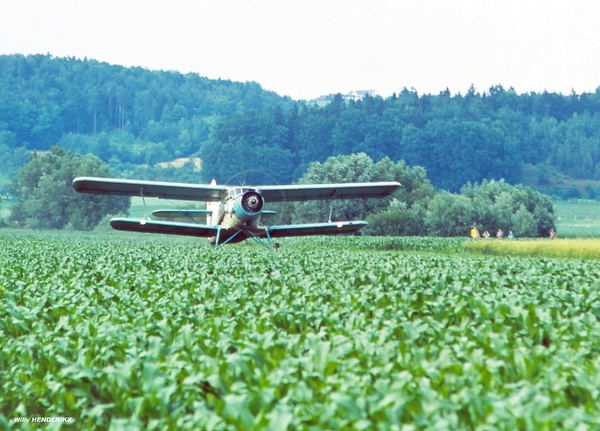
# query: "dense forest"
458, 139
133, 118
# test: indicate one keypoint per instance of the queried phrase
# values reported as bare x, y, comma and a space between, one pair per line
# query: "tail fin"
211, 219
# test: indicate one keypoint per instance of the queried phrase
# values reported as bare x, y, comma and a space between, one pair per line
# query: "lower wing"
192, 229
179, 213
171, 228
335, 228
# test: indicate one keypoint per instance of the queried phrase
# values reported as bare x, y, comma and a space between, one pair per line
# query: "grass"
577, 218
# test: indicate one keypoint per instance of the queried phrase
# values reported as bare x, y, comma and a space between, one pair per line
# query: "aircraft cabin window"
235, 192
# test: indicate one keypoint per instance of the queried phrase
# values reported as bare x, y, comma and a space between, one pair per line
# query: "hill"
123, 115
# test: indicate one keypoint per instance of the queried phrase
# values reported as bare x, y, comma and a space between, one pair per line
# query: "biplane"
233, 213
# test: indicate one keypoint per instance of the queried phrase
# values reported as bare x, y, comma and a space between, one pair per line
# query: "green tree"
46, 197
137, 116
449, 215
497, 203
342, 169
503, 209
2, 222
415, 189
524, 223
397, 221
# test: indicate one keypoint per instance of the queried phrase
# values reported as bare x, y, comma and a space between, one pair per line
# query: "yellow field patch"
557, 248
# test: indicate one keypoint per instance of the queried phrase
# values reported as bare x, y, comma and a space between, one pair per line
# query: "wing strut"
258, 240
218, 235
269, 236
146, 216
231, 237
248, 235
330, 210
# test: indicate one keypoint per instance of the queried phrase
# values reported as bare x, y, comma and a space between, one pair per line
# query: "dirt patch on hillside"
178, 163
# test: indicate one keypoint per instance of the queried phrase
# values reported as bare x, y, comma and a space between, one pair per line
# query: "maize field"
136, 332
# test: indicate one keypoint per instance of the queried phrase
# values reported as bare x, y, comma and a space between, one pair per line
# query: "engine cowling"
248, 206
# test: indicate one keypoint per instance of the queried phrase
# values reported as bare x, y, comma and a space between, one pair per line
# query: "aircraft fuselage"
240, 211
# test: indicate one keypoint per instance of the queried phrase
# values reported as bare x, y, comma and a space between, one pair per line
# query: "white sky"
308, 48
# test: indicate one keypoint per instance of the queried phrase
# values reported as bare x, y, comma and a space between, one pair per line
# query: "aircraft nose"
252, 203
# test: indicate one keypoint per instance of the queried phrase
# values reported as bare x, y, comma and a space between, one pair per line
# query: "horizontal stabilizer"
164, 190
179, 213
335, 228
170, 228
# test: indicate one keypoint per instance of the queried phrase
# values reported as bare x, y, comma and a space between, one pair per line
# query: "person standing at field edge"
499, 234
474, 232
552, 234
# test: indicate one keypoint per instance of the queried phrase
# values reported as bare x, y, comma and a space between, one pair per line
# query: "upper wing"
113, 186
303, 192
171, 228
335, 228
205, 192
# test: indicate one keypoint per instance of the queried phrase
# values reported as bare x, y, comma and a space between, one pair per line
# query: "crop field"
122, 331
577, 218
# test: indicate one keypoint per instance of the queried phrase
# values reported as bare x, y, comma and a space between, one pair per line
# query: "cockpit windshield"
236, 191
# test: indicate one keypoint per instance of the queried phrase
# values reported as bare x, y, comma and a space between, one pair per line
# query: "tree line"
458, 139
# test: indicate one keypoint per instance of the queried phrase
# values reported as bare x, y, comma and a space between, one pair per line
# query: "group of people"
500, 234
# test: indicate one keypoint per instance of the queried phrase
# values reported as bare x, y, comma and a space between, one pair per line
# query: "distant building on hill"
352, 95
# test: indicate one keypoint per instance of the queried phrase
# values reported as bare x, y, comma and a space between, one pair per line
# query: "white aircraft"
233, 213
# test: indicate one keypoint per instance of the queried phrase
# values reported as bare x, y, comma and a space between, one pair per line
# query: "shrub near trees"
46, 197
497, 204
490, 206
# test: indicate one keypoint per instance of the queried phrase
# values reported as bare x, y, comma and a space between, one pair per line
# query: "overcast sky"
304, 49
